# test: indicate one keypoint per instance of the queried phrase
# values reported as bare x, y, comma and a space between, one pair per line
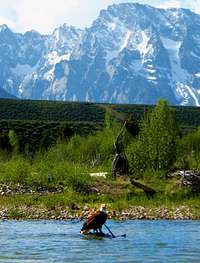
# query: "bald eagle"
95, 221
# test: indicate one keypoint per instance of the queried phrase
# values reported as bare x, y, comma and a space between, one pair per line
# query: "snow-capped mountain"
5, 95
132, 53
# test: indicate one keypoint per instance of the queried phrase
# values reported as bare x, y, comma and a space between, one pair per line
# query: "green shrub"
155, 146
52, 173
188, 151
92, 151
13, 139
15, 170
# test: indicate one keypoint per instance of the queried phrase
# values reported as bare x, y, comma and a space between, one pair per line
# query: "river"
60, 241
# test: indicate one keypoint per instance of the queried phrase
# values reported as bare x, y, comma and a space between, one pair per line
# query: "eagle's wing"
97, 219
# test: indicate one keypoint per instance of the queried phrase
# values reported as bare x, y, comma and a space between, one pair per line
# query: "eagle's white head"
103, 208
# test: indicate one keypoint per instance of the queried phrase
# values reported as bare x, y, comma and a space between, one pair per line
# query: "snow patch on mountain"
59, 87
23, 70
186, 92
173, 48
143, 47
191, 92
53, 57
183, 93
112, 25
126, 40
180, 76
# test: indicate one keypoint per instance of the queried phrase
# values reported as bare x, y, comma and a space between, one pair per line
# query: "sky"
45, 15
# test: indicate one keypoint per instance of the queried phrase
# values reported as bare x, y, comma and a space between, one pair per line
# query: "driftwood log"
150, 192
189, 178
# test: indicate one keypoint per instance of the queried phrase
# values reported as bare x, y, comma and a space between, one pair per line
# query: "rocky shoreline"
132, 213
9, 211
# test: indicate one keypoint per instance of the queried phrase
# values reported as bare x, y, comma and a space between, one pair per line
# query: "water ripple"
60, 241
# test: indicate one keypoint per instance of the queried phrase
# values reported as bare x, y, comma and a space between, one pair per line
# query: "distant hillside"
39, 124
77, 112
50, 111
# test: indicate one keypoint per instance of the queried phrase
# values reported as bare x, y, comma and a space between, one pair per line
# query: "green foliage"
65, 165
78, 182
15, 170
188, 151
132, 126
45, 174
64, 131
39, 124
155, 146
58, 175
188, 117
50, 111
4, 141
37, 135
93, 150
66, 152
110, 119
13, 140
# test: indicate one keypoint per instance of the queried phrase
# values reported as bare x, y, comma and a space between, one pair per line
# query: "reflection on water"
55, 241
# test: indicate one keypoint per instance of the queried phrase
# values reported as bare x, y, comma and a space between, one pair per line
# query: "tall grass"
65, 165
14, 170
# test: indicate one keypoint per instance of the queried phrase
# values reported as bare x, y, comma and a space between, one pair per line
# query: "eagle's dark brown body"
94, 222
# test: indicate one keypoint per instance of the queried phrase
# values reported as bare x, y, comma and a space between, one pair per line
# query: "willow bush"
188, 151
155, 145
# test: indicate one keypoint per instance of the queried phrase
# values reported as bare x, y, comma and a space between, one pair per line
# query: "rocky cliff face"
131, 54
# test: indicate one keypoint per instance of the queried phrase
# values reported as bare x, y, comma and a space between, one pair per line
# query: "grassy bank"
78, 198
56, 182
124, 202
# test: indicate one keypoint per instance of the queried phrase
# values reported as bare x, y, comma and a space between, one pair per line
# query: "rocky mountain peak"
132, 53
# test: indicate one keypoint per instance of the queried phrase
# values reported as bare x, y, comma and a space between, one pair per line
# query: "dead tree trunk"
120, 162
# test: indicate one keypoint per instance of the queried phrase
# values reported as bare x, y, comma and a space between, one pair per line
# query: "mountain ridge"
132, 53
